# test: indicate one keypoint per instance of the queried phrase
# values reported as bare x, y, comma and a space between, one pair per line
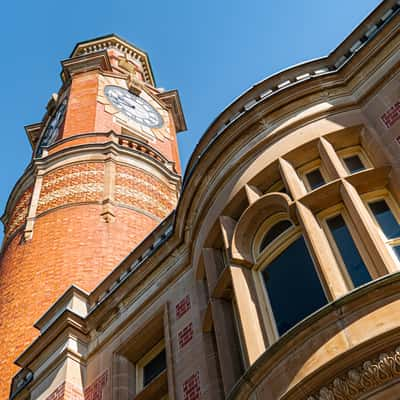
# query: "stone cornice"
172, 100
123, 145
128, 298
67, 321
85, 63
280, 82
114, 41
33, 132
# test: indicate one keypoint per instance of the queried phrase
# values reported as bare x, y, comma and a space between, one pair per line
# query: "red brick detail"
95, 390
191, 387
66, 391
185, 335
20, 212
58, 394
79, 183
138, 189
392, 115
182, 307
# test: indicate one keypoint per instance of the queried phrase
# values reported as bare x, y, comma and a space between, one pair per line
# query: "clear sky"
210, 50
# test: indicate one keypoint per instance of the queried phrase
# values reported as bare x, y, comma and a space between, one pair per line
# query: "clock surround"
134, 107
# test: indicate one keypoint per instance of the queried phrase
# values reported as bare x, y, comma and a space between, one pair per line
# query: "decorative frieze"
363, 379
72, 184
140, 190
20, 212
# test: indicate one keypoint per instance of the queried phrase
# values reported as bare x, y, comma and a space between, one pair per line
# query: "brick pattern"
78, 183
95, 390
136, 188
392, 115
191, 387
182, 307
185, 335
20, 212
66, 391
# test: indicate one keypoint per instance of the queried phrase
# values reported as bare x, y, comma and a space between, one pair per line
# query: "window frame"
143, 361
332, 212
273, 247
354, 151
277, 187
310, 167
378, 195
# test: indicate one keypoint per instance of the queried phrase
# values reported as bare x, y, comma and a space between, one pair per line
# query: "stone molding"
361, 380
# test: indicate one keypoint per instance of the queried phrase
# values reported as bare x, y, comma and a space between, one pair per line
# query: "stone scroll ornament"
361, 380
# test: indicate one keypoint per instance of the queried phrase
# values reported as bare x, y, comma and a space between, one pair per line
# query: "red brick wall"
81, 109
69, 245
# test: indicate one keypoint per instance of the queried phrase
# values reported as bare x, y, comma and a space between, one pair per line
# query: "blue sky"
211, 51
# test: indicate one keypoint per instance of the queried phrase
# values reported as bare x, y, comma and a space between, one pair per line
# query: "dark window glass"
154, 368
293, 286
397, 251
283, 190
274, 232
348, 250
315, 179
354, 164
386, 219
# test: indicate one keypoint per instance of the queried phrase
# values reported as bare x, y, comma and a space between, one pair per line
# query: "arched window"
274, 232
293, 288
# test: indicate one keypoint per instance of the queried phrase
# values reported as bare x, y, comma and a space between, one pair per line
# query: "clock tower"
104, 173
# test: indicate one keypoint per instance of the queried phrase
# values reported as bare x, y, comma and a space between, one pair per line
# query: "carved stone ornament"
361, 380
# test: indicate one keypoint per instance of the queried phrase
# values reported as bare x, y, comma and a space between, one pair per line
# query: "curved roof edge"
294, 75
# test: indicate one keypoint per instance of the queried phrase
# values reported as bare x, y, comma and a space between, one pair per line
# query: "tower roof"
114, 41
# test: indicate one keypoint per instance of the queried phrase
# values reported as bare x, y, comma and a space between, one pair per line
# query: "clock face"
51, 133
134, 107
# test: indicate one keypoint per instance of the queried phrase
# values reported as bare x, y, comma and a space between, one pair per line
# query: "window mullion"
330, 159
382, 261
324, 259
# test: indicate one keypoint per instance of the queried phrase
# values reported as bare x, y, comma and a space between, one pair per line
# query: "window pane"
354, 164
293, 286
315, 179
274, 232
385, 219
348, 250
154, 368
397, 251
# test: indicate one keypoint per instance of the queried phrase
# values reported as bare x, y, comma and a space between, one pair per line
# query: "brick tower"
104, 172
